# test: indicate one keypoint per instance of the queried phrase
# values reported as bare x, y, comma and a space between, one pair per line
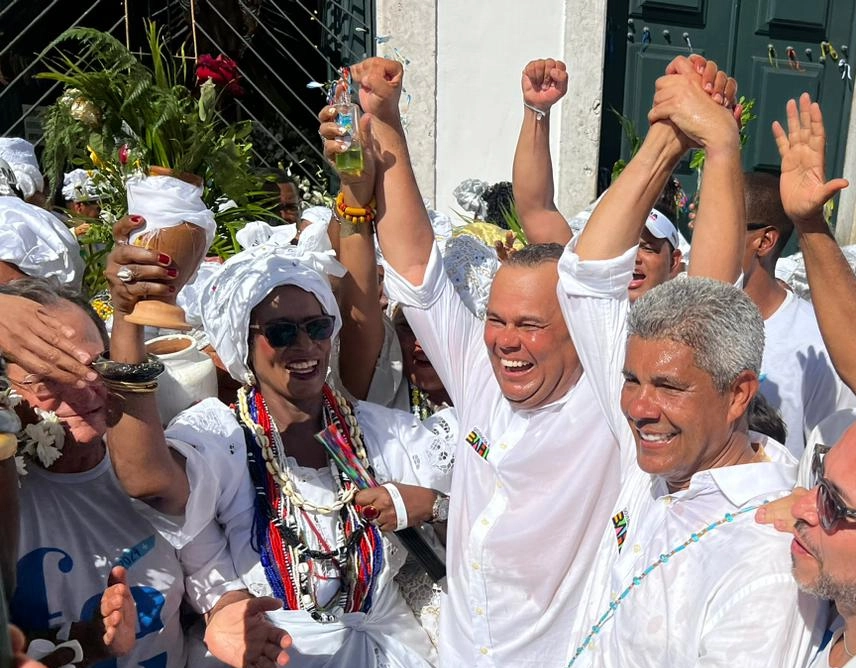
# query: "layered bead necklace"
421, 405
640, 578
283, 517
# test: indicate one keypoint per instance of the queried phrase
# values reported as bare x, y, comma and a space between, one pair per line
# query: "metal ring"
369, 513
125, 275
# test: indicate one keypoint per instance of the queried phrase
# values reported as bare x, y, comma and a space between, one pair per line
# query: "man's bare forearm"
532, 181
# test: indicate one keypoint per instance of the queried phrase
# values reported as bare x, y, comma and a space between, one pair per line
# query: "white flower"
44, 439
9, 398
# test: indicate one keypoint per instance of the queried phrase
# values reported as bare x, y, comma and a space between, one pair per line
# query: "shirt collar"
741, 483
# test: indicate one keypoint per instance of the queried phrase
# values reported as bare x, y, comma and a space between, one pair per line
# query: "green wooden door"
775, 48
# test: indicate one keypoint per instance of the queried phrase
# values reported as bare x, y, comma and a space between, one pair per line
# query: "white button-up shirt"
531, 492
726, 600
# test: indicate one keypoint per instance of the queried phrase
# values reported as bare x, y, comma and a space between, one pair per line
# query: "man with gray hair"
685, 577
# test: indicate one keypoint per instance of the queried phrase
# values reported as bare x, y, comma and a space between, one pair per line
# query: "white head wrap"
37, 242
20, 155
257, 232
245, 279
77, 186
165, 201
188, 297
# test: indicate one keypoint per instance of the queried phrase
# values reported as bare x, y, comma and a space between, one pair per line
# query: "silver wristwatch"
440, 509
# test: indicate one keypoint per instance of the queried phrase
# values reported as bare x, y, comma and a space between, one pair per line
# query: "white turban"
20, 155
257, 232
77, 186
37, 242
165, 201
189, 296
244, 281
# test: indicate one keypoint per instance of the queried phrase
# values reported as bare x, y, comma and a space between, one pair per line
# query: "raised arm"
362, 333
145, 466
403, 228
720, 225
544, 83
804, 190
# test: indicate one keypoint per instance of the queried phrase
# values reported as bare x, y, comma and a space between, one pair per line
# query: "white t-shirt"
75, 527
531, 493
797, 375
725, 600
399, 447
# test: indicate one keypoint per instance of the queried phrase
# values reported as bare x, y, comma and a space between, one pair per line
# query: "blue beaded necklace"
637, 580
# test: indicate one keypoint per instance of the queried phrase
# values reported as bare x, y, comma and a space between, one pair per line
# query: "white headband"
244, 281
20, 155
77, 186
36, 242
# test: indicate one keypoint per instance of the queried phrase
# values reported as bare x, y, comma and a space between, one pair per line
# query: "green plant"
119, 116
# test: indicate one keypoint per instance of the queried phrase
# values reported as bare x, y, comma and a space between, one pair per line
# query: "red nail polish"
137, 219
172, 273
164, 259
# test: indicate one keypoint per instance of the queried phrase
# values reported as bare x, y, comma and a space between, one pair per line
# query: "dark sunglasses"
830, 508
283, 333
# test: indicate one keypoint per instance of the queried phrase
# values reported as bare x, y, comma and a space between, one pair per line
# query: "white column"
412, 28
845, 230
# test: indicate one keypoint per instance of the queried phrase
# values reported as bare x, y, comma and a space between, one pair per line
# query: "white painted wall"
466, 57
482, 47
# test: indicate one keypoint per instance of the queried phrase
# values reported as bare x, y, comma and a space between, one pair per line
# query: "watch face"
441, 509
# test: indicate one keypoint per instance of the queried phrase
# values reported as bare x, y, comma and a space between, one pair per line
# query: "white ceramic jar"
189, 377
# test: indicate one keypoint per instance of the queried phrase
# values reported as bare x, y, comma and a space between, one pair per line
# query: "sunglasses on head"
283, 333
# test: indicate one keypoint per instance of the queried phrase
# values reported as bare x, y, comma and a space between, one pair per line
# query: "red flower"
124, 152
222, 71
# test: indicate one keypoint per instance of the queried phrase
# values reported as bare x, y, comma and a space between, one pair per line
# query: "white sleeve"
208, 569
403, 449
212, 443
594, 301
447, 330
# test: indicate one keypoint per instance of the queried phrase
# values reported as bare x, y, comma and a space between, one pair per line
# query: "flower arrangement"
122, 117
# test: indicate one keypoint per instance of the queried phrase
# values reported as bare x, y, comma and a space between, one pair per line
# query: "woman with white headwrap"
295, 530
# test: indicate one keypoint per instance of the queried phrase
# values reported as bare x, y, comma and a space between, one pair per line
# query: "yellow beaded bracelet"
354, 214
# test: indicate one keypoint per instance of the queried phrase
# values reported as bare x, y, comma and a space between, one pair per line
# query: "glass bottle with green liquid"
349, 161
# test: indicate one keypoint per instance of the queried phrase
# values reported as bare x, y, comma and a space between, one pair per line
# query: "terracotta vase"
186, 244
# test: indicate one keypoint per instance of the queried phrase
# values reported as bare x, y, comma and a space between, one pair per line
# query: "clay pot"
189, 375
186, 244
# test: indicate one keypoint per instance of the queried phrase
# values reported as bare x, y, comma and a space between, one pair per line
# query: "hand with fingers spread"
41, 344
419, 502
803, 185
119, 613
544, 82
241, 635
135, 273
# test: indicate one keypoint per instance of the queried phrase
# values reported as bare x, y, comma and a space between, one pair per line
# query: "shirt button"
485, 522
480, 612
503, 446
484, 650
498, 485
475, 565
637, 548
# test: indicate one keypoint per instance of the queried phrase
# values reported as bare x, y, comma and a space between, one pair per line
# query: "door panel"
772, 47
